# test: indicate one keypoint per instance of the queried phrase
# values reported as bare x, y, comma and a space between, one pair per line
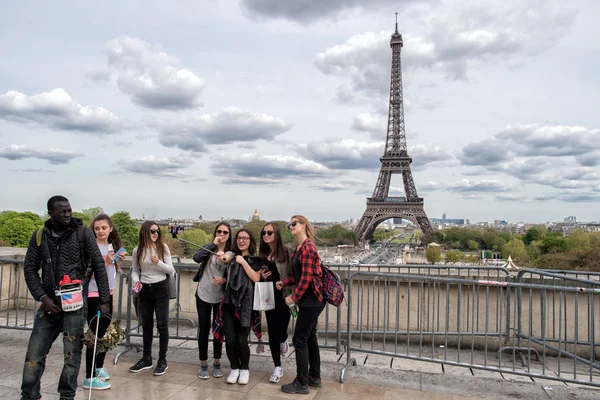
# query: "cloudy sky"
218, 107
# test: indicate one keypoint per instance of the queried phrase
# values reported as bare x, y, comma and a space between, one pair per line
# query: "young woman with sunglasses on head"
238, 300
151, 263
308, 296
276, 268
211, 285
106, 236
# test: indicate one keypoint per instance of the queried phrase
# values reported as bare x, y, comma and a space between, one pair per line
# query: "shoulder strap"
38, 236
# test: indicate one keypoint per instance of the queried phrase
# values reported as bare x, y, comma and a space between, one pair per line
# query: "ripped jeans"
46, 328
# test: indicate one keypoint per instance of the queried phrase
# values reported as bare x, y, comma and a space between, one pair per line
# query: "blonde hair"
310, 230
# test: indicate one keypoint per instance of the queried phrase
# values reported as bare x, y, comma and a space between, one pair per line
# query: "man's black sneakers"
142, 364
295, 388
316, 383
161, 367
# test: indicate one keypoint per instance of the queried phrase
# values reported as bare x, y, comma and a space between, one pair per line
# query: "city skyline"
218, 108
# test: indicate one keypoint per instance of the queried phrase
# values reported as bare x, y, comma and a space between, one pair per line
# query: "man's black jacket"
62, 257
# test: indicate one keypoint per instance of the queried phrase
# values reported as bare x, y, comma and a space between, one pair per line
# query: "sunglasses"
266, 233
243, 239
154, 231
220, 232
292, 224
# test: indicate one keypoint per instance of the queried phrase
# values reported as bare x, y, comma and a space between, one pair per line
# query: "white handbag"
264, 296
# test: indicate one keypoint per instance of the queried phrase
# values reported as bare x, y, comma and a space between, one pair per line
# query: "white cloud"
230, 125
151, 77
338, 153
252, 168
366, 122
53, 156
57, 110
457, 38
158, 167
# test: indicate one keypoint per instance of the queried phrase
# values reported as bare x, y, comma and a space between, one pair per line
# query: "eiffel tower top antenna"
396, 24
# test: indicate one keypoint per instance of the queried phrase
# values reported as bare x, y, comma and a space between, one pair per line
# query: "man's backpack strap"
38, 236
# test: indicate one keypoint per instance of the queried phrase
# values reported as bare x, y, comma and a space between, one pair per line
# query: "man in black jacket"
58, 254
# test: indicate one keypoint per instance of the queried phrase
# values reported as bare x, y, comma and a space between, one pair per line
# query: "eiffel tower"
395, 160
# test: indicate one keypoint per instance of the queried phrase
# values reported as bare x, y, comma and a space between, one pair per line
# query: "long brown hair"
228, 242
251, 247
145, 242
280, 251
310, 230
113, 236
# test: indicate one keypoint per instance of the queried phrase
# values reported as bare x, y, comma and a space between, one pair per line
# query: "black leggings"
205, 323
278, 321
154, 299
92, 314
236, 339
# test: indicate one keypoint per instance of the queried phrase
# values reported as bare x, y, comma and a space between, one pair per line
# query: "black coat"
201, 257
59, 256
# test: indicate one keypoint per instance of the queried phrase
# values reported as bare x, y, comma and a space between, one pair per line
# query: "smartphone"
121, 250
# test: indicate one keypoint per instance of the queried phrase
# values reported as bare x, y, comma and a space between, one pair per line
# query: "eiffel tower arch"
395, 160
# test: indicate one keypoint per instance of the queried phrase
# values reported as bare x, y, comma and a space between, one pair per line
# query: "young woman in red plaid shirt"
308, 296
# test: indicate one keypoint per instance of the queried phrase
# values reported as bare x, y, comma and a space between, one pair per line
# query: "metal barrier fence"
179, 332
560, 314
458, 322
466, 316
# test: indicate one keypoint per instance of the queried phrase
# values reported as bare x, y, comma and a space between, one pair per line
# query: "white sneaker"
276, 375
244, 377
233, 376
284, 347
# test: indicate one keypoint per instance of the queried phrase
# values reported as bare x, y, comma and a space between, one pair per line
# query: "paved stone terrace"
375, 377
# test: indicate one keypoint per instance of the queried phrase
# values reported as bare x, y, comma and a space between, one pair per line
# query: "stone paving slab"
375, 377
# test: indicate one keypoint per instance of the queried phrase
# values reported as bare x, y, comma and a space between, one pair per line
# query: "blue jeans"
46, 329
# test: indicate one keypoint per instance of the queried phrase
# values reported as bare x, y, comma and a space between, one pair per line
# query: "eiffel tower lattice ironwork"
395, 160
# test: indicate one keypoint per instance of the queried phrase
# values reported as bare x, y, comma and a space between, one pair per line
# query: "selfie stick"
94, 356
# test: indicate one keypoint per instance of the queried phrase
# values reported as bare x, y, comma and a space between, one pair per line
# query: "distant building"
255, 216
449, 221
500, 222
570, 220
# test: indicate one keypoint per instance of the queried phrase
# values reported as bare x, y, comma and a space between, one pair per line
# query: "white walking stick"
94, 356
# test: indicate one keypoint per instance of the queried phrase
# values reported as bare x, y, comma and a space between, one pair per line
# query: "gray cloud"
230, 125
309, 11
484, 153
423, 155
589, 160
338, 153
57, 110
353, 182
510, 197
482, 186
53, 156
330, 187
579, 197
562, 157
32, 170
550, 140
545, 197
158, 167
260, 169
151, 77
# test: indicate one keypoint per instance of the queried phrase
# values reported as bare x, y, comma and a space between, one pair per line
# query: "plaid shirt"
311, 272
